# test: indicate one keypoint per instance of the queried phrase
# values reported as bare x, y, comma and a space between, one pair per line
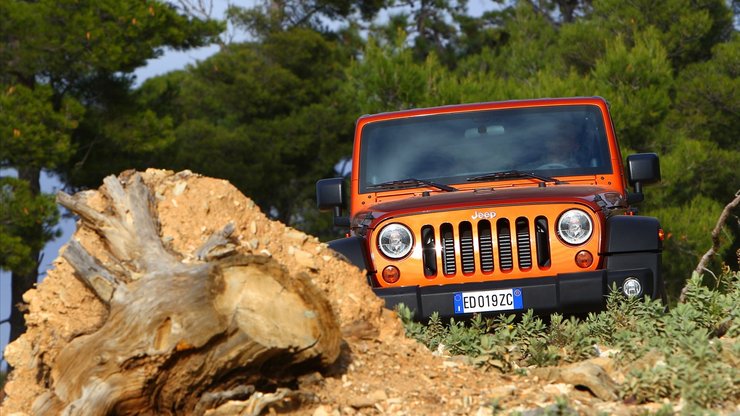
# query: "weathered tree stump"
181, 336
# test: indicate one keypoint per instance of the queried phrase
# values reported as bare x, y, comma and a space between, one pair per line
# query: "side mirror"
642, 169
330, 195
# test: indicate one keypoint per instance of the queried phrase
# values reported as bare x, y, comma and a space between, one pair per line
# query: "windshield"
451, 148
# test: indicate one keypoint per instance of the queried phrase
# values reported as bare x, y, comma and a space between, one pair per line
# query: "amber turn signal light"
661, 234
391, 274
584, 259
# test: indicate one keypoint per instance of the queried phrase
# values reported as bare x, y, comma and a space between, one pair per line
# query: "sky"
170, 61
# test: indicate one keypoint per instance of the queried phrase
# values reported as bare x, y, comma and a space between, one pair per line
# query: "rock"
484, 411
602, 351
179, 188
295, 235
553, 409
324, 410
502, 391
311, 379
588, 374
305, 259
349, 411
591, 376
369, 400
648, 361
360, 330
558, 389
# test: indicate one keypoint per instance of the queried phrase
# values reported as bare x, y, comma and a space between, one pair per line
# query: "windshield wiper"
511, 174
411, 182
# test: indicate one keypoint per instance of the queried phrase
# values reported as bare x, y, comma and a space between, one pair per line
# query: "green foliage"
32, 131
694, 168
389, 78
65, 92
432, 27
686, 241
574, 341
529, 46
583, 43
269, 17
637, 81
65, 78
690, 353
263, 115
697, 357
26, 223
69, 64
706, 105
68, 41
687, 29
502, 342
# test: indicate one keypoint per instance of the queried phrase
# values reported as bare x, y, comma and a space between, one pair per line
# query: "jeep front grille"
542, 242
448, 250
460, 251
467, 254
504, 245
522, 240
485, 243
429, 253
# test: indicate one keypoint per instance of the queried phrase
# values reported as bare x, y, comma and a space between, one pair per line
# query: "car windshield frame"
450, 148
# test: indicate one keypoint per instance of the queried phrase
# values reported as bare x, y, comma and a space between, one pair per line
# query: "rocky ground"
380, 370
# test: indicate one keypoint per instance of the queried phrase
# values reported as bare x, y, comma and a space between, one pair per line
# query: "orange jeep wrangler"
502, 206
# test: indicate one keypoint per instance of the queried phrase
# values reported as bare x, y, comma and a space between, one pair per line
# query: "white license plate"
488, 300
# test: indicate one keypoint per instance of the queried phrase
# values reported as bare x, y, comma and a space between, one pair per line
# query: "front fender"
633, 242
630, 234
354, 251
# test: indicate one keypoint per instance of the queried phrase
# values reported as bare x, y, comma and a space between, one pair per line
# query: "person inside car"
559, 150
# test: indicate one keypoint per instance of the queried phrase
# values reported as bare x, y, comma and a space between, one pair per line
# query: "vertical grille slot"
485, 245
542, 241
467, 253
428, 252
503, 232
448, 249
524, 247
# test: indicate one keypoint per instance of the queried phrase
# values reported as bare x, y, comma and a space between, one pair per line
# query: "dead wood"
182, 330
702, 266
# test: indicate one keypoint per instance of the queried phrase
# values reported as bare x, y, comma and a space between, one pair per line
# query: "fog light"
631, 287
584, 259
391, 274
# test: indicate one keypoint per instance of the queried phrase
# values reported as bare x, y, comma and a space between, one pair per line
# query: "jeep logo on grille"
479, 215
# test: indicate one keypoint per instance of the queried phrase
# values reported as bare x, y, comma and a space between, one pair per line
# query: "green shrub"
690, 352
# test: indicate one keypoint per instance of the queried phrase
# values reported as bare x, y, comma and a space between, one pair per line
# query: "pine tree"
63, 65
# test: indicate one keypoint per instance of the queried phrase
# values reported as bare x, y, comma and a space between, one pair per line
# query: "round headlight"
395, 241
575, 227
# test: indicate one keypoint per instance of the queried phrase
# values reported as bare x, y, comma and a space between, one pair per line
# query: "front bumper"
565, 293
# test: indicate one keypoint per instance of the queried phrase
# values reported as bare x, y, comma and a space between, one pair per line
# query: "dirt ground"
380, 370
